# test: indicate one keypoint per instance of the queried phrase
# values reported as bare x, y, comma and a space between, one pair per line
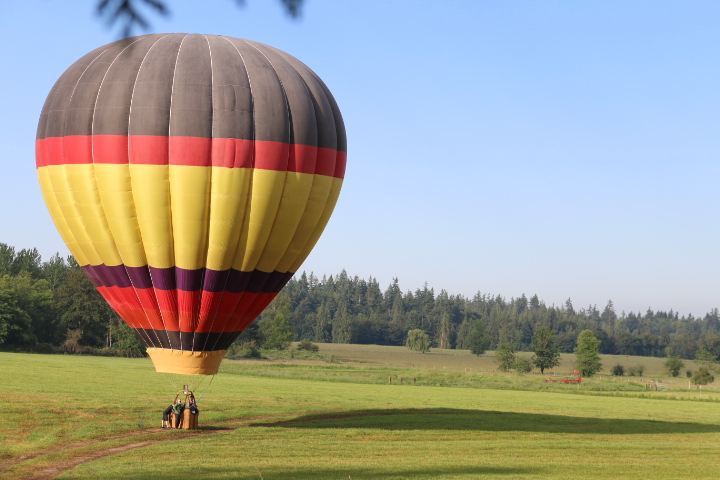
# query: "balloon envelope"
190, 176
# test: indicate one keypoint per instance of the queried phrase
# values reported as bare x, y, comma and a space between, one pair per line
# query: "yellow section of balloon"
187, 216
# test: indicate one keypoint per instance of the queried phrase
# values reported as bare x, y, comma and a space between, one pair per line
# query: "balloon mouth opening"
186, 362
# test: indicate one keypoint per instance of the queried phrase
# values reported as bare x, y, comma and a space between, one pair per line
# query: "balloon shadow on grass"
486, 420
353, 472
215, 428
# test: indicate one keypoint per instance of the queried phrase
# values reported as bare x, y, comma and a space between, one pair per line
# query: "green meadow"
343, 414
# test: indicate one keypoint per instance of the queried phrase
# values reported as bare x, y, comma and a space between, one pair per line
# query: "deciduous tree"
587, 353
276, 331
547, 354
478, 339
702, 376
83, 308
418, 341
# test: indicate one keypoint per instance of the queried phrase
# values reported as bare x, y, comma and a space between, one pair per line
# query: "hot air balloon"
190, 176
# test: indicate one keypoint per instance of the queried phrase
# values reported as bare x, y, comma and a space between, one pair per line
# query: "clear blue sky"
563, 148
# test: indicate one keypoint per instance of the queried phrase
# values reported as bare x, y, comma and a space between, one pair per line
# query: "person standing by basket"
166, 417
177, 409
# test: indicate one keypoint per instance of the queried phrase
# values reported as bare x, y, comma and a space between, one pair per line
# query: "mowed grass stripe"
358, 453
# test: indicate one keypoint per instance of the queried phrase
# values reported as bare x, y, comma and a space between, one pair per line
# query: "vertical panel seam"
324, 92
248, 202
132, 192
314, 174
290, 130
75, 208
52, 188
172, 236
289, 119
196, 314
92, 156
132, 97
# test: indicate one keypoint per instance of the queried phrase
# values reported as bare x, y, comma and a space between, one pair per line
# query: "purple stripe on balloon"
277, 281
104, 276
172, 278
140, 277
189, 280
215, 281
90, 272
119, 276
237, 281
163, 278
257, 281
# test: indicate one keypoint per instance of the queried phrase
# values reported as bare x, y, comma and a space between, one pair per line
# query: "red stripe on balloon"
247, 310
189, 151
198, 311
111, 148
209, 304
119, 300
147, 150
340, 165
188, 303
232, 153
150, 306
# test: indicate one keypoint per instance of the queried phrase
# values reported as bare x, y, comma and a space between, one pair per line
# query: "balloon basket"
188, 421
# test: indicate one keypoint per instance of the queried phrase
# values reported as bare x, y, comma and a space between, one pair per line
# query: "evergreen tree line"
51, 305
344, 309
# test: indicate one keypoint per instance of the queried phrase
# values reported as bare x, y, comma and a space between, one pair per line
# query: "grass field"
310, 418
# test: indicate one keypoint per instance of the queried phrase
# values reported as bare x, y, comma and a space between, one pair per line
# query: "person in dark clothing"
166, 417
193, 406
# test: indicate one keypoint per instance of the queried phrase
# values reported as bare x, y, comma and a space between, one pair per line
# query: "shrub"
618, 370
307, 345
244, 350
523, 365
636, 371
505, 357
702, 376
688, 373
72, 342
674, 365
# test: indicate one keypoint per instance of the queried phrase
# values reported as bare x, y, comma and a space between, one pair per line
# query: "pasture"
340, 417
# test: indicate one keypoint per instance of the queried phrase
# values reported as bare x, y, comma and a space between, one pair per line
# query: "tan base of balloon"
186, 363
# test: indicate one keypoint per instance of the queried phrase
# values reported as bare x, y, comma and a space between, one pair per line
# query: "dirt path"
45, 472
63, 466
